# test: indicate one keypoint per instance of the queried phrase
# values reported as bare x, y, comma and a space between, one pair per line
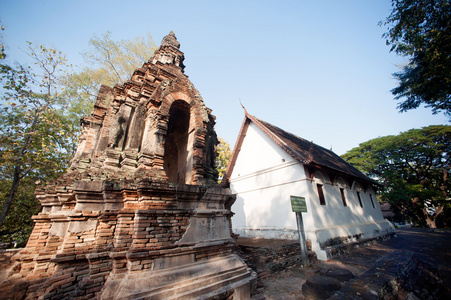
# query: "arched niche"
177, 161
319, 178
341, 182
356, 186
370, 189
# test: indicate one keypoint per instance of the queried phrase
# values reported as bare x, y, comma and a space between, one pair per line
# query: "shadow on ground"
429, 247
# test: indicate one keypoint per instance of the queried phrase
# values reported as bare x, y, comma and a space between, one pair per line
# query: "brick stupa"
139, 214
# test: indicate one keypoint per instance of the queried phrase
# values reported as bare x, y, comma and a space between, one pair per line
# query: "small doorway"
176, 145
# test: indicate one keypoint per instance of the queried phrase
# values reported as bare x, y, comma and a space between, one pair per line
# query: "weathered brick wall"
96, 246
271, 259
338, 248
5, 257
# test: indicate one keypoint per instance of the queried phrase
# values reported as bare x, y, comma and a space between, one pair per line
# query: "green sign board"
298, 204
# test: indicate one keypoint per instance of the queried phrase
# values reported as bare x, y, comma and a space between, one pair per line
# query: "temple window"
322, 200
343, 198
360, 199
372, 201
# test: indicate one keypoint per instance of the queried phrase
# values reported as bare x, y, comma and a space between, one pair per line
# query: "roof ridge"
288, 149
320, 150
301, 138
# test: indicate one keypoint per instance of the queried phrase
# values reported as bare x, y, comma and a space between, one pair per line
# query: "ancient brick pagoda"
139, 213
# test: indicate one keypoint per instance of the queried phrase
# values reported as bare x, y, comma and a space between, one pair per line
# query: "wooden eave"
236, 150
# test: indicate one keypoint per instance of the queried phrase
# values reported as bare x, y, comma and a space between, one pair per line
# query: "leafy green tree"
18, 222
421, 30
414, 167
223, 156
115, 61
36, 142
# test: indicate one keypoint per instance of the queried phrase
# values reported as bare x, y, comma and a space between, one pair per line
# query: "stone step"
195, 287
320, 287
216, 287
191, 281
338, 273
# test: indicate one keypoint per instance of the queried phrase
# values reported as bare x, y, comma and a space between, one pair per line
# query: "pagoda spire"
170, 40
169, 52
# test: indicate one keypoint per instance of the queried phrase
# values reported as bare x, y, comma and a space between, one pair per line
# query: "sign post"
298, 205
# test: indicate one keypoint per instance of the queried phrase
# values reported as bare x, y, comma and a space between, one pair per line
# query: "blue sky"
318, 69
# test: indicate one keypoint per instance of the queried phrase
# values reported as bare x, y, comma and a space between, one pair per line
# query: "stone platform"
219, 277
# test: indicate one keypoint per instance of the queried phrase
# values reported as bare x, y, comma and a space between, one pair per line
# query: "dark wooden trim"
236, 151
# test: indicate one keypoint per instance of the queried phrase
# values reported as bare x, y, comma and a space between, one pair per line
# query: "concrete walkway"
374, 265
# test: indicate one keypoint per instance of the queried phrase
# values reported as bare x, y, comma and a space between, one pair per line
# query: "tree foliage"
421, 30
36, 141
415, 169
115, 61
2, 46
223, 156
108, 62
18, 222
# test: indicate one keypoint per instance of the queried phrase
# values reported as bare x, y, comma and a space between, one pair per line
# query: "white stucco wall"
351, 222
265, 176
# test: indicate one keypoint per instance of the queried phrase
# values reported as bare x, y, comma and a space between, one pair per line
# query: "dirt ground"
288, 284
430, 246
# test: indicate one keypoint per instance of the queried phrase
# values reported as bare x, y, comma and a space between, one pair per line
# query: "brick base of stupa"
156, 241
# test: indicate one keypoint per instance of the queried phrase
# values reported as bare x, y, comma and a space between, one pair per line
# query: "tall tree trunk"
17, 173
430, 220
12, 192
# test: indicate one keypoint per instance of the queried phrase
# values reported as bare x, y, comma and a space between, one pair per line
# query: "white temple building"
269, 166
